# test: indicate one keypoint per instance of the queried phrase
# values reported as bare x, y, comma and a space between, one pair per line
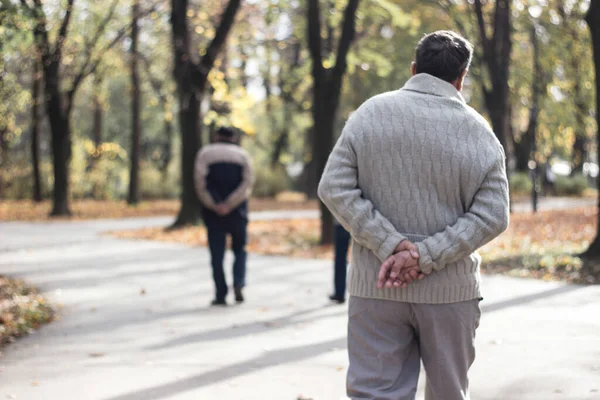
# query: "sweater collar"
429, 84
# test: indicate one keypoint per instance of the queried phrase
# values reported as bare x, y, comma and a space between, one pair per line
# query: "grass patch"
23, 210
542, 245
22, 309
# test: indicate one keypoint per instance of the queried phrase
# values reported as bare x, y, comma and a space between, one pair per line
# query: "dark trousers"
342, 242
217, 235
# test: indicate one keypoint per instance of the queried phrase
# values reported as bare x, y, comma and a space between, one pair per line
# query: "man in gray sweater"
418, 178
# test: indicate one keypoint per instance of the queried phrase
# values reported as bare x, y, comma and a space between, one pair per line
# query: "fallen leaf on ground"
25, 210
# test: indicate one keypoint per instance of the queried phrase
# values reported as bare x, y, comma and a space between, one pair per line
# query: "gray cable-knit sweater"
418, 164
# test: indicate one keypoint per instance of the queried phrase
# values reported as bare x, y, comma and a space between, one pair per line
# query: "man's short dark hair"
443, 54
226, 133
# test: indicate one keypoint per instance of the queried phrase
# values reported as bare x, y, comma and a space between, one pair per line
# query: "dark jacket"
223, 174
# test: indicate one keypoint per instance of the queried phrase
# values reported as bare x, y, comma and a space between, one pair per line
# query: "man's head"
226, 135
445, 55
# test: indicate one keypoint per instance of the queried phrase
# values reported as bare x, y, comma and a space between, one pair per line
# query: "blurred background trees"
112, 100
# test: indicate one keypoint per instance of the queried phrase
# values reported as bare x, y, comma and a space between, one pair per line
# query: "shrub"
270, 181
520, 183
156, 185
571, 185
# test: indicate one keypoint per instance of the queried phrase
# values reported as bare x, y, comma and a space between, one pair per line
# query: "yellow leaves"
12, 210
542, 245
109, 149
20, 210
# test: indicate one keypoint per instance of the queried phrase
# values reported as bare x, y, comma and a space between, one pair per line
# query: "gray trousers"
388, 339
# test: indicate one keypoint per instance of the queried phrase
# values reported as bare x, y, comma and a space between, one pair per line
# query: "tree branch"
348, 30
91, 44
62, 33
40, 33
314, 38
89, 67
207, 62
156, 84
481, 23
330, 31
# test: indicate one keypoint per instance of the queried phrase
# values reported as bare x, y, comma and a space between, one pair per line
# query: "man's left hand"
222, 209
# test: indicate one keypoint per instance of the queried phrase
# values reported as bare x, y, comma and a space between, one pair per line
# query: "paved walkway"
554, 203
135, 326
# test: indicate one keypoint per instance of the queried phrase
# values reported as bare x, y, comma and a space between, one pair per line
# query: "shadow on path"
248, 328
487, 308
266, 360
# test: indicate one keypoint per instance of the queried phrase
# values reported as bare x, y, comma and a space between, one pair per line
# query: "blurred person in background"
223, 179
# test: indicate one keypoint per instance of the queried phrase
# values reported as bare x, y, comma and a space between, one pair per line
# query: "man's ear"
458, 84
413, 68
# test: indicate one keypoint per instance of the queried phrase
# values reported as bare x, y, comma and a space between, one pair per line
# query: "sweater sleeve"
486, 218
244, 190
340, 192
200, 174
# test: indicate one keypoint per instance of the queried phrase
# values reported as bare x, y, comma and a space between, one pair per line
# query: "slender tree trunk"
35, 131
166, 147
98, 113
593, 20
522, 153
580, 144
134, 191
524, 150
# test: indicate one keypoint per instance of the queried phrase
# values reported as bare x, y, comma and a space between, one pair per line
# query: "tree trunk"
522, 153
35, 131
579, 153
324, 121
327, 88
58, 115
580, 144
496, 56
593, 20
134, 191
189, 118
191, 81
61, 154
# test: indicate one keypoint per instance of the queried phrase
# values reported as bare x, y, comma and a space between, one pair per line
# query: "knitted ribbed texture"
418, 164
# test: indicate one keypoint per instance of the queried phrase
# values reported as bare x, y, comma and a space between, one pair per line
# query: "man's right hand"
399, 270
407, 245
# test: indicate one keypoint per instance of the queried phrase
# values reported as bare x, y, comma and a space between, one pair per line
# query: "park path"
134, 325
51, 233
